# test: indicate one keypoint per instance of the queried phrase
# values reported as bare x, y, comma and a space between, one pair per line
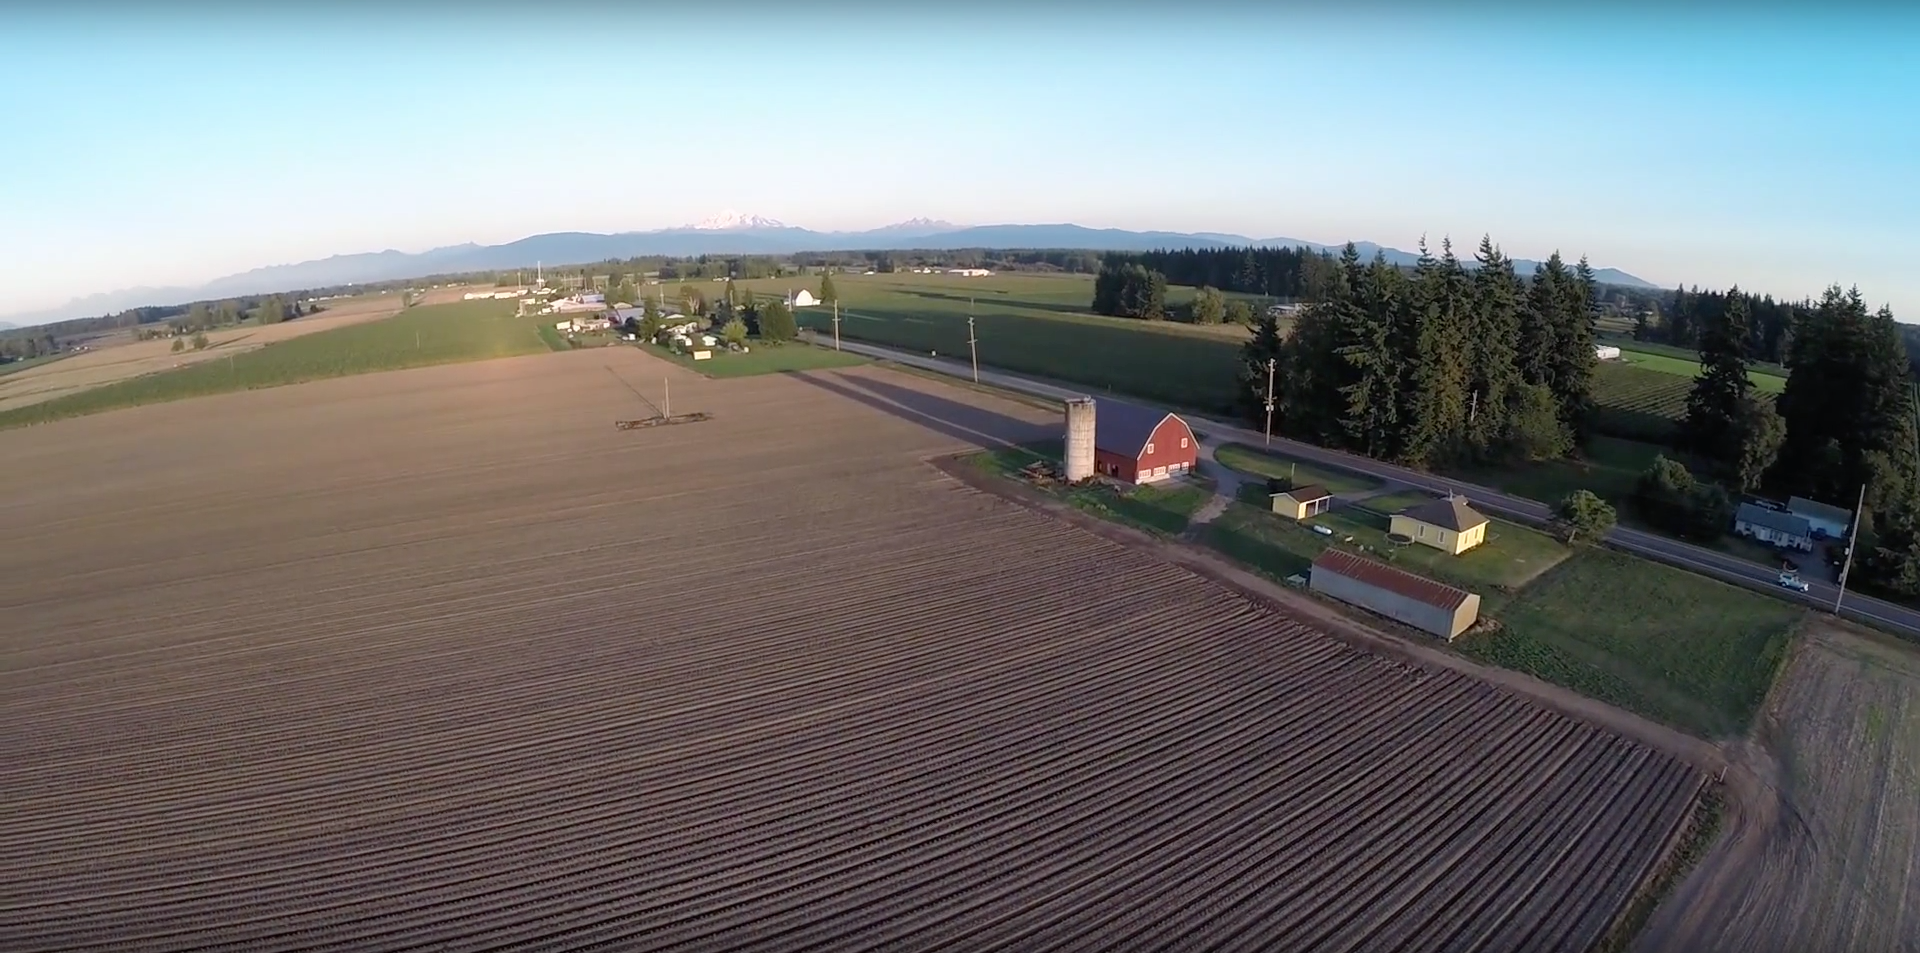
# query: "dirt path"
1226, 487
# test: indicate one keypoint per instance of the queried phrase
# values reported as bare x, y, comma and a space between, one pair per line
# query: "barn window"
1183, 443
1149, 448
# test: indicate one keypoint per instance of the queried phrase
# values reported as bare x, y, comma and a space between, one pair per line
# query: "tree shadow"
951, 418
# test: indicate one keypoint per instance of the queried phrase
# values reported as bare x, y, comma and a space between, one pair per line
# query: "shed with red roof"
1427, 605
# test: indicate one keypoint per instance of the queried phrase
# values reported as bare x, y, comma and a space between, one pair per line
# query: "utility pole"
666, 403
1852, 538
1269, 402
972, 343
836, 325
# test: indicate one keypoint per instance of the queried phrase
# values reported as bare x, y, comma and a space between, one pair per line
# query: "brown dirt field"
1830, 859
126, 358
460, 665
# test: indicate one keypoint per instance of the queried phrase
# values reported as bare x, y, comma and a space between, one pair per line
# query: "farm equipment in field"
1040, 473
663, 420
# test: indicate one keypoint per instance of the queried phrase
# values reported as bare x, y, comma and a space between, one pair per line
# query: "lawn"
1609, 467
1512, 555
1164, 508
1264, 463
1032, 324
417, 337
1674, 646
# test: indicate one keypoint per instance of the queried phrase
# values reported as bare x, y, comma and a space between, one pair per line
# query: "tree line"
1443, 365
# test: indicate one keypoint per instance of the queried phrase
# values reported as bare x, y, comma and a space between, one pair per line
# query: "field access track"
763, 683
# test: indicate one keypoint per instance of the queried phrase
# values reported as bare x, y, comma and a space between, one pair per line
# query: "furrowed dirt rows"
441, 660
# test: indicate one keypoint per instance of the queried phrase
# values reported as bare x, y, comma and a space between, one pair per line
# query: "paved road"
1672, 551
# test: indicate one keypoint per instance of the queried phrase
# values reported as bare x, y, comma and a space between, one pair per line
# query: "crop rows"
887, 712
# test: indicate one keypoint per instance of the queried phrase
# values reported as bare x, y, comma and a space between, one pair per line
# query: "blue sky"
1776, 151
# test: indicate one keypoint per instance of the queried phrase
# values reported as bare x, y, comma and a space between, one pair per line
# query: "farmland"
1769, 380
417, 337
465, 667
761, 359
1831, 859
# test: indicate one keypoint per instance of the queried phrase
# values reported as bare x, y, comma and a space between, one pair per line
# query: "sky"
172, 145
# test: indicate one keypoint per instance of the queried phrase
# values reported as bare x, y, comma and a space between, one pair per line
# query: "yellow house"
1448, 525
1302, 501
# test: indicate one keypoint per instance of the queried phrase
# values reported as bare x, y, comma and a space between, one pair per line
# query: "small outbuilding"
1135, 444
1302, 502
1606, 352
1448, 525
1432, 607
1823, 519
1773, 526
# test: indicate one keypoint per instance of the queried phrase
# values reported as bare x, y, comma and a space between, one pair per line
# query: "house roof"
1814, 509
1771, 519
1124, 428
1397, 581
1306, 494
1453, 514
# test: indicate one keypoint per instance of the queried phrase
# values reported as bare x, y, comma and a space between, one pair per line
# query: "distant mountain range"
728, 233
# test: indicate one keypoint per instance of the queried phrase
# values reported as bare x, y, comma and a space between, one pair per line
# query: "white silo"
1079, 439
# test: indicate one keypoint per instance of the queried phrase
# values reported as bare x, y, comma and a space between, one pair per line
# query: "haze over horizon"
1715, 148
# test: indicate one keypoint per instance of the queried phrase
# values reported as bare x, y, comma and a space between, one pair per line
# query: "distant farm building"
1432, 607
1302, 501
1133, 444
1606, 352
970, 272
804, 299
1822, 519
1448, 525
1772, 526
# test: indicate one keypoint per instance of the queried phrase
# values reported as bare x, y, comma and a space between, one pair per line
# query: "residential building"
1773, 527
1448, 525
1823, 519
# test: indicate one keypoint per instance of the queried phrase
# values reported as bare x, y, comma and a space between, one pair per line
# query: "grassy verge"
1165, 509
1263, 463
1679, 648
1610, 468
554, 340
417, 337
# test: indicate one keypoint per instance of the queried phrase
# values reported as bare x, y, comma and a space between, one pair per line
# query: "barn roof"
1772, 519
1397, 581
1124, 428
1453, 514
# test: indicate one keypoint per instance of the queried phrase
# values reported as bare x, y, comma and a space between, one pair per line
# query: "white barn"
1606, 352
804, 299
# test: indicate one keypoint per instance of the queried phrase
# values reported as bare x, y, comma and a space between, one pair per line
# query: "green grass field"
15, 367
418, 337
1609, 467
1765, 381
1255, 461
1678, 647
760, 359
1031, 324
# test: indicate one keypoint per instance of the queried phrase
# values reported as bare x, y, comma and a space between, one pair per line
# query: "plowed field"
440, 659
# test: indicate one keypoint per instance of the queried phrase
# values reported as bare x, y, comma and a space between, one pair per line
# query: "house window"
1183, 443
1149, 449
1443, 535
1423, 531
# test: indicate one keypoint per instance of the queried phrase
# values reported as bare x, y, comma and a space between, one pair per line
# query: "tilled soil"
442, 659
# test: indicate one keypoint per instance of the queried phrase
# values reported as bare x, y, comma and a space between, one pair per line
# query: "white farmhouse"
1773, 526
1824, 519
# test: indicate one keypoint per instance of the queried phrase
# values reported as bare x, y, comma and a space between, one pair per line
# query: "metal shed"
1432, 607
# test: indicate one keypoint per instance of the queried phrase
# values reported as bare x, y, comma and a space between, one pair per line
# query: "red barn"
1136, 445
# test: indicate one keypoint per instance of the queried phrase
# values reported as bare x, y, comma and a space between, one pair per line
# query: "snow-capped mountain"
732, 221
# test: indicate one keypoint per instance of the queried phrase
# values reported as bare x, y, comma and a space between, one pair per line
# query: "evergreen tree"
1711, 426
827, 292
777, 324
1368, 347
1494, 332
1541, 322
1847, 406
1574, 360
1264, 345
1433, 349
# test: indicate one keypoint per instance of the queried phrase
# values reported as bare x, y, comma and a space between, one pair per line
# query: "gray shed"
1432, 607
